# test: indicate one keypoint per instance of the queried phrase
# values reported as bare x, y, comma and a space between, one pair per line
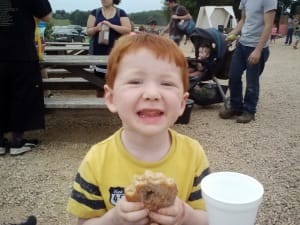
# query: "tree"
145, 17
61, 14
79, 17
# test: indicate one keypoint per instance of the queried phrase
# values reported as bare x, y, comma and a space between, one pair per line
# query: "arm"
193, 216
183, 14
268, 21
91, 28
185, 17
165, 30
125, 27
237, 30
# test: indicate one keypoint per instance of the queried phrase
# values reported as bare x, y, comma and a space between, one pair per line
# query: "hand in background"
254, 57
107, 23
99, 26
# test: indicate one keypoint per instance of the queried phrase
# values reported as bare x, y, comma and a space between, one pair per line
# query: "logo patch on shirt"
116, 193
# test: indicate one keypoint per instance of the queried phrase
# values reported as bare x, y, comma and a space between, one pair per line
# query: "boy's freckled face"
148, 92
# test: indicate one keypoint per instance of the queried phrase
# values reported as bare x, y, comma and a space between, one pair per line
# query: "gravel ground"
39, 182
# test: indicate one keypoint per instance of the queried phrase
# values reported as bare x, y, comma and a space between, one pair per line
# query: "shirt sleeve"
86, 200
270, 5
123, 13
93, 12
195, 199
242, 5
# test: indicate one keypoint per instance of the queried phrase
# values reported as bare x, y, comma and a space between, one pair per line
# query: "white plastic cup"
231, 198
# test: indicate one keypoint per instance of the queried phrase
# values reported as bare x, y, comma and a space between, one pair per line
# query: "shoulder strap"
118, 12
97, 12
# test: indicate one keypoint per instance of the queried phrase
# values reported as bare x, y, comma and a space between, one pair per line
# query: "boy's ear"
183, 102
108, 96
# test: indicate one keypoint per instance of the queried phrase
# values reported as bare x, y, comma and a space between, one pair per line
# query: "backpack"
91, 48
185, 26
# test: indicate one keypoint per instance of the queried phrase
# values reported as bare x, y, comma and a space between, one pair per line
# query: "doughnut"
154, 189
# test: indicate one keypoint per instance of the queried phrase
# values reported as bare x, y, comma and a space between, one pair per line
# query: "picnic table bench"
75, 75
56, 43
66, 50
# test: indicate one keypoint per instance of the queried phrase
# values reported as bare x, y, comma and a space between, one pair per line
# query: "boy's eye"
134, 81
167, 83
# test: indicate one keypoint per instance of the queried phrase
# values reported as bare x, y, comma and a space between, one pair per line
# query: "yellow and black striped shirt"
108, 168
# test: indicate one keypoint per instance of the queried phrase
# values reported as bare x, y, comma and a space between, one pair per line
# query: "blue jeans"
238, 65
289, 36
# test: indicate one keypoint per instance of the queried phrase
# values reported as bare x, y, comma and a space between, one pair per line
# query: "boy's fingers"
130, 206
161, 219
140, 217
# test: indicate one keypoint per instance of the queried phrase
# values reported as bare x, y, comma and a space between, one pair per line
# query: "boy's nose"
151, 92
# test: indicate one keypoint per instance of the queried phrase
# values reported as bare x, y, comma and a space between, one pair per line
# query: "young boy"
204, 53
147, 84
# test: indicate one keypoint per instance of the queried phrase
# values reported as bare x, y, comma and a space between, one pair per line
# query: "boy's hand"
130, 213
172, 215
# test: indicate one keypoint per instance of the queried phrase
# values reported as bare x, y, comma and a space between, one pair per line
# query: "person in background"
290, 31
201, 67
178, 12
273, 33
132, 32
297, 36
147, 86
152, 27
142, 29
251, 54
21, 87
118, 24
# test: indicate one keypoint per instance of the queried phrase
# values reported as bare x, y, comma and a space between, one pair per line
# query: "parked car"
76, 27
67, 35
84, 31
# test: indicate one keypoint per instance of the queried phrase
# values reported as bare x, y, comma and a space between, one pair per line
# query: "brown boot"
229, 113
246, 117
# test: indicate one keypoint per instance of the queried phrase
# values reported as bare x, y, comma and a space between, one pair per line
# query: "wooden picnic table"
77, 65
55, 43
66, 50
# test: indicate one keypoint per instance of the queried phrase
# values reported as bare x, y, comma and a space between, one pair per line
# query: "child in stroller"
198, 69
205, 89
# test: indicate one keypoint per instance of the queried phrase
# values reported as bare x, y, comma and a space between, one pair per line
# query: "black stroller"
206, 89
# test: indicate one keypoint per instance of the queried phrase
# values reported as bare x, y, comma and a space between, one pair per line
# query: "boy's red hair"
162, 47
